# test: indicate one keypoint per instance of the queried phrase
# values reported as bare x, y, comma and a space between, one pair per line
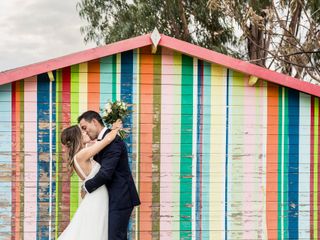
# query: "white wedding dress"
91, 218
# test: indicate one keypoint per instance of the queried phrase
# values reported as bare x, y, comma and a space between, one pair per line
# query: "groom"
114, 173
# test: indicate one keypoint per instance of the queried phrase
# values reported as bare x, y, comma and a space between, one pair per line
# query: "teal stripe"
186, 148
106, 80
206, 149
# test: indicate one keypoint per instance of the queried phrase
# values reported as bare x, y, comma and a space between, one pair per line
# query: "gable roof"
165, 41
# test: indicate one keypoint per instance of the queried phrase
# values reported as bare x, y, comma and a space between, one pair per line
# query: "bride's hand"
117, 125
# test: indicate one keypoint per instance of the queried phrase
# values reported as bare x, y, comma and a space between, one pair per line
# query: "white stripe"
304, 166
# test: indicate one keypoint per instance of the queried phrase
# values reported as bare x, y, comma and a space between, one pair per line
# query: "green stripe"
186, 148
280, 164
58, 149
74, 97
156, 145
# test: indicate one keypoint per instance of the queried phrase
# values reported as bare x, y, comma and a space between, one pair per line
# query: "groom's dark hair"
89, 116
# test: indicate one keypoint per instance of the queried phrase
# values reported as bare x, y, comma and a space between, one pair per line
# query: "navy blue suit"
116, 175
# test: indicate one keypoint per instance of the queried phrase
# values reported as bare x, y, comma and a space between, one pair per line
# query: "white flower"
123, 106
107, 107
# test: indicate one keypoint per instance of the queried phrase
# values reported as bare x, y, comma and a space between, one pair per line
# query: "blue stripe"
206, 152
126, 96
293, 175
6, 159
126, 90
54, 149
43, 147
198, 170
227, 155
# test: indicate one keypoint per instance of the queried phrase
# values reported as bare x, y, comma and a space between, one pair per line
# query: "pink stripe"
249, 169
167, 79
30, 144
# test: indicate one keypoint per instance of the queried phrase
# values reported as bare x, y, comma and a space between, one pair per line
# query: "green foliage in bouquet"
113, 111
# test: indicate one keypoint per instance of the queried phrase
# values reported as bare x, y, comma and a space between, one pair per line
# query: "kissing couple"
108, 191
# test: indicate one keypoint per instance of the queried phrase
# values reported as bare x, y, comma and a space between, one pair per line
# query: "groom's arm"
110, 159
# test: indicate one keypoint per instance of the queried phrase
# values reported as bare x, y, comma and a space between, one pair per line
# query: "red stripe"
65, 177
311, 167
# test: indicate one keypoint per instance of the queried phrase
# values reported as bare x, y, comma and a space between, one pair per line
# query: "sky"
36, 30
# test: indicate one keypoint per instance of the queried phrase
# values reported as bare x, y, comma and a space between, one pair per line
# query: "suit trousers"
118, 223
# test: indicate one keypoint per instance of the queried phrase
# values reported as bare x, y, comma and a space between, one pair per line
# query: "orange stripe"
94, 85
272, 160
146, 116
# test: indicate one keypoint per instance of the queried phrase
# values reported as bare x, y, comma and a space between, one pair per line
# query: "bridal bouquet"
116, 110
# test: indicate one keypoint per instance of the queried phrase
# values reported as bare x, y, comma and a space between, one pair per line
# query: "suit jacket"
116, 175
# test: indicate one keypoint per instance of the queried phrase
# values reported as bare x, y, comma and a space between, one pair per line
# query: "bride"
91, 218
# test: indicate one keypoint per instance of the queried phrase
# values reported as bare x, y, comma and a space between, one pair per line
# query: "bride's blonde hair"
71, 137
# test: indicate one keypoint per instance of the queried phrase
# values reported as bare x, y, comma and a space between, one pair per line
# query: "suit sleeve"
110, 158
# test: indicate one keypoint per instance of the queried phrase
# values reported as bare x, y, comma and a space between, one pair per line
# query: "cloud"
37, 30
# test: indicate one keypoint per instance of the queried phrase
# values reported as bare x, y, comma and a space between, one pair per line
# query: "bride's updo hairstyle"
71, 137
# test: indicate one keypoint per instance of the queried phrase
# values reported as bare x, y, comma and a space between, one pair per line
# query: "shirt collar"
100, 136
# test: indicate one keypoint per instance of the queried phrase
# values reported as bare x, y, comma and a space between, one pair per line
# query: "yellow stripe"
83, 87
217, 161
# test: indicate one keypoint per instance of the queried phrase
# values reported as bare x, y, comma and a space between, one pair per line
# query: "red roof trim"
239, 65
75, 58
165, 41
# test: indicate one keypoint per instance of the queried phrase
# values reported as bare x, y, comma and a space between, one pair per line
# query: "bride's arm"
88, 152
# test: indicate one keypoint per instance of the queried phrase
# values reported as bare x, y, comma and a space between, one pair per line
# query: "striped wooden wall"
213, 158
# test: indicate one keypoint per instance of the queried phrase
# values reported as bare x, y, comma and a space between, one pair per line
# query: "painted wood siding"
212, 157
